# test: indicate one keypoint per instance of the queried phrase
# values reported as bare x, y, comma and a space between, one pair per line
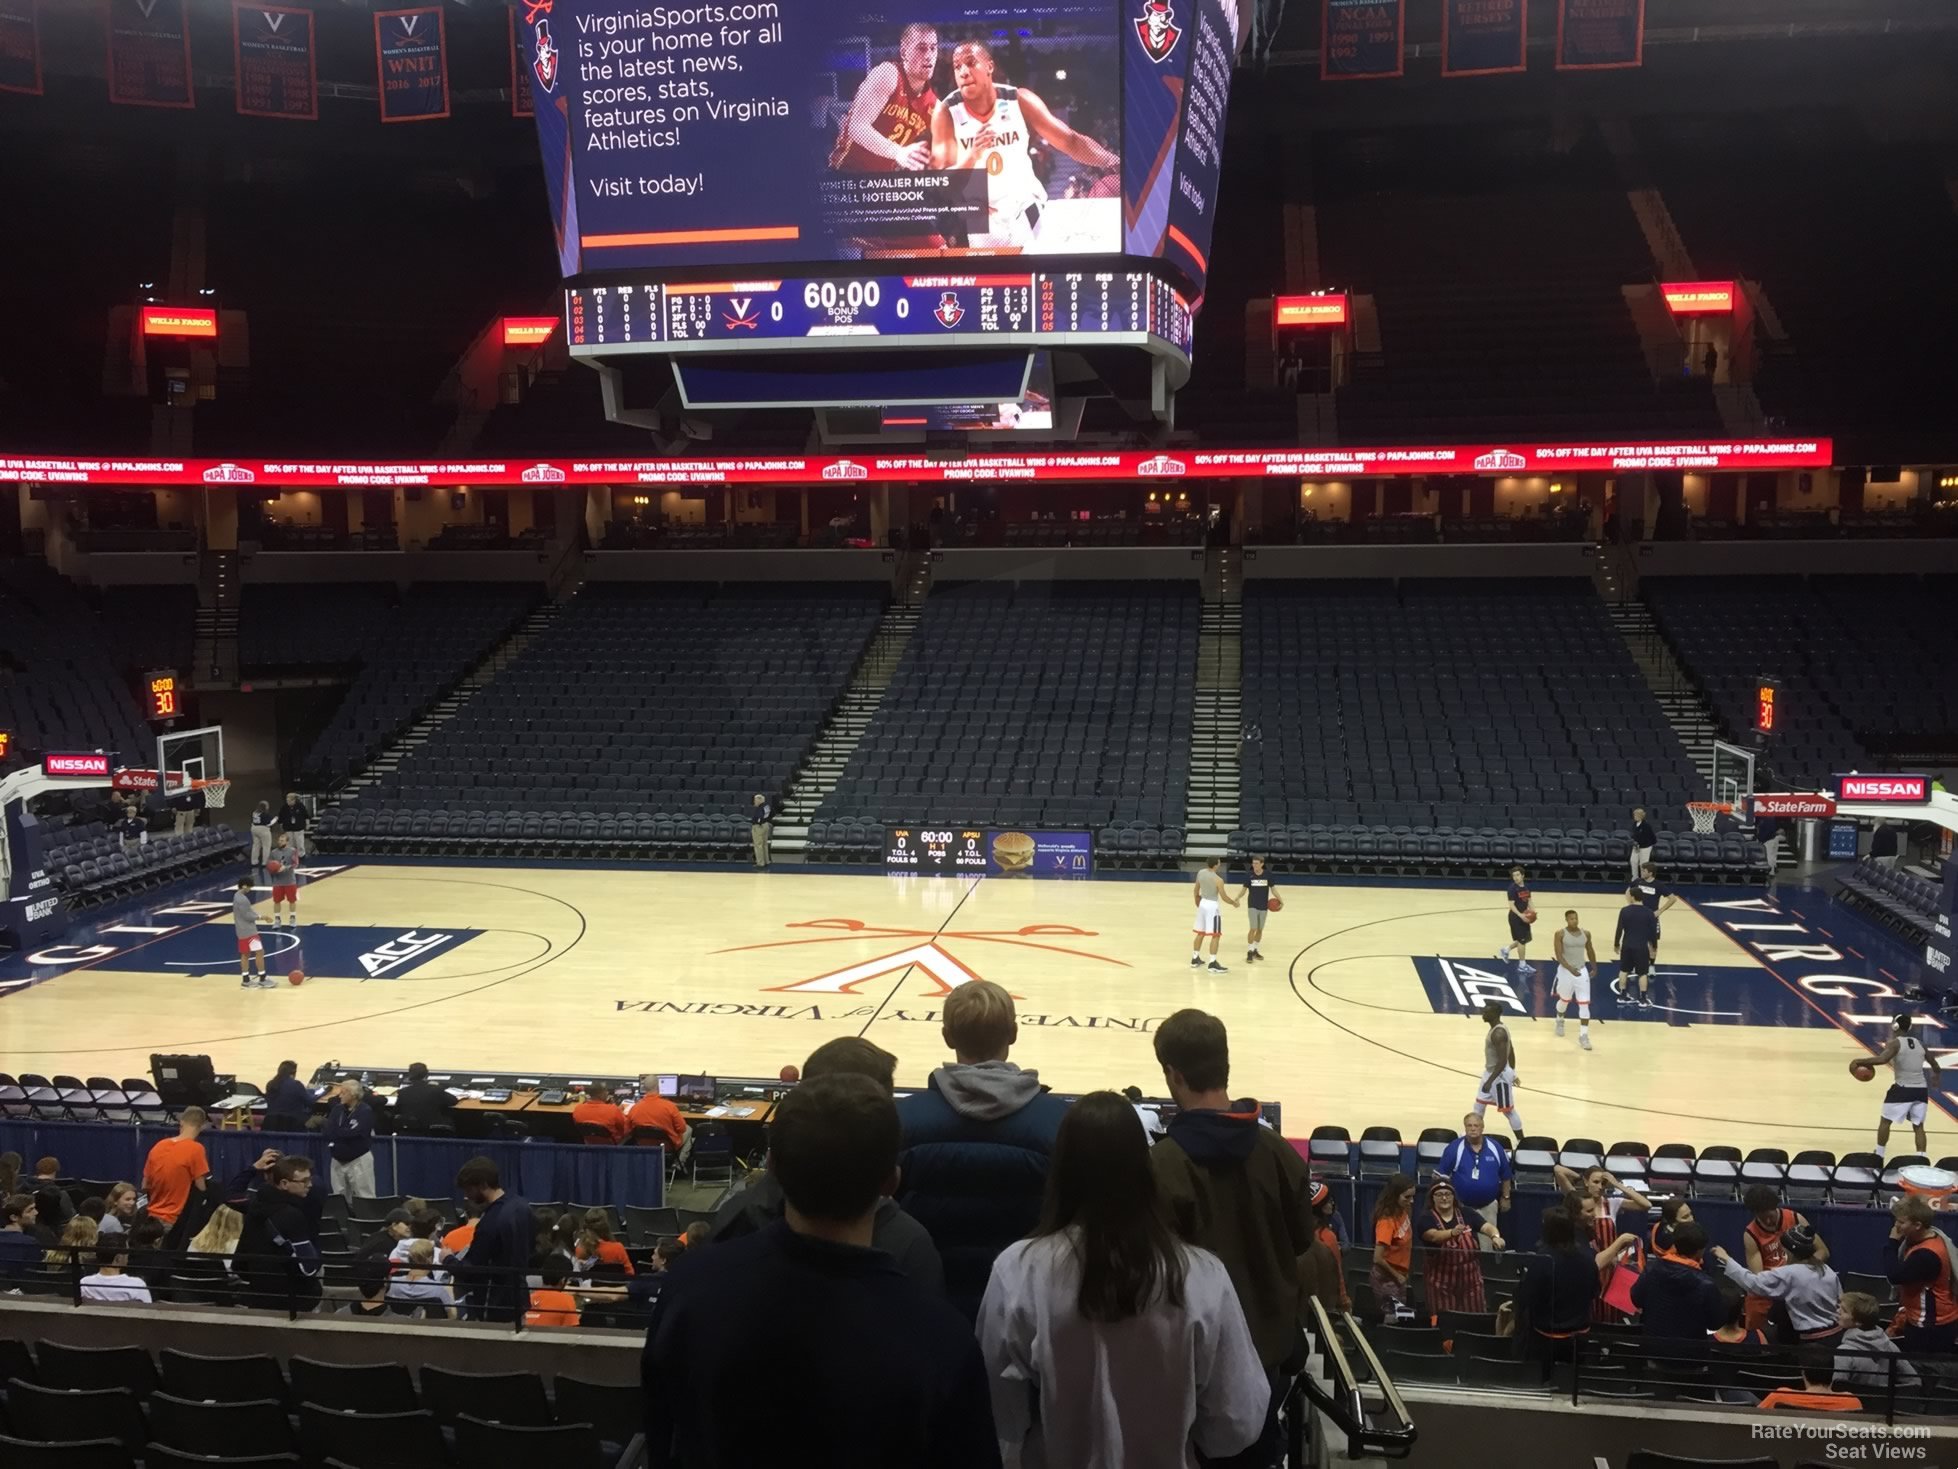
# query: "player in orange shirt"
599, 1110
175, 1166
653, 1110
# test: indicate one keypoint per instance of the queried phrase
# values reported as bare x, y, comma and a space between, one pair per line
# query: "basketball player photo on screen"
957, 134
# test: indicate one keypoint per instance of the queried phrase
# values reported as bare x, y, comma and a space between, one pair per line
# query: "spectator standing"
1917, 1258
977, 1138
176, 1168
1107, 1339
422, 1104
1393, 1248
1644, 839
132, 830
761, 826
1453, 1271
814, 1288
1677, 1300
288, 1100
278, 1250
1810, 1290
293, 820
349, 1133
1734, 1331
500, 1247
112, 1281
1240, 1191
1762, 1245
1559, 1286
1479, 1166
184, 807
262, 821
759, 1203
599, 1110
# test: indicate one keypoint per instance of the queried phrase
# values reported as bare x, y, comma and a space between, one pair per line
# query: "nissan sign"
92, 766
1782, 803
1884, 790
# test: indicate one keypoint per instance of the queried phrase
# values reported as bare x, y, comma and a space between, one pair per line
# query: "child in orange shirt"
1393, 1246
596, 1245
553, 1305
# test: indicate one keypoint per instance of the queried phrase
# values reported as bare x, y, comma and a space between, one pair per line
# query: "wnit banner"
1362, 38
278, 66
149, 54
20, 48
1482, 38
412, 56
1599, 35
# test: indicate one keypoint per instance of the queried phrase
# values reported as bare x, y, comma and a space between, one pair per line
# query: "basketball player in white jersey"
1498, 1088
1210, 897
989, 126
1909, 1097
1577, 961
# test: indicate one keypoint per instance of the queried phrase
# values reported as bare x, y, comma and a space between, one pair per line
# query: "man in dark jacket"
421, 1104
492, 1267
976, 1143
759, 1202
349, 1133
1240, 1191
278, 1250
1677, 1299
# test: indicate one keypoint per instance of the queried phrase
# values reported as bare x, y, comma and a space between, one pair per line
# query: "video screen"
1032, 412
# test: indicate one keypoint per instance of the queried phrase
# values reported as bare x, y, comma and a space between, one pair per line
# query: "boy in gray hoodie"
1864, 1346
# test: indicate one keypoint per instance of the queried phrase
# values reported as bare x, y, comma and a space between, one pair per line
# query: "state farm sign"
1783, 803
90, 766
1891, 790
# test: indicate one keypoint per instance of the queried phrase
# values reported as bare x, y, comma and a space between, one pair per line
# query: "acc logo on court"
411, 946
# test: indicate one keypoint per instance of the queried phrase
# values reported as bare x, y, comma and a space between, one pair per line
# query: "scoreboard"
935, 851
161, 696
995, 308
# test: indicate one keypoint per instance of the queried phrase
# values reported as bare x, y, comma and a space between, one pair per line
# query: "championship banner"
411, 57
149, 54
20, 48
1362, 38
523, 100
1151, 466
1481, 38
278, 64
1600, 35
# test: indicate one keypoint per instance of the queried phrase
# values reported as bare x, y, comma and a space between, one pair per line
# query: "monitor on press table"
666, 1086
697, 1089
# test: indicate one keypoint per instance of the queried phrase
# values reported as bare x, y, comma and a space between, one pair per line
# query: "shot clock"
161, 696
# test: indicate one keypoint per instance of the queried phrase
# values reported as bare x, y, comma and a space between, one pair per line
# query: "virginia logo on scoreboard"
539, 474
1501, 459
229, 474
1158, 31
845, 469
948, 310
1162, 464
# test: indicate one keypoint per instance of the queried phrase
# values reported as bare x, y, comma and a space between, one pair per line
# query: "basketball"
1863, 1071
275, 867
1529, 915
296, 978
1276, 902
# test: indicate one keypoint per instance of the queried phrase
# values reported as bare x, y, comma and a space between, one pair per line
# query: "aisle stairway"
1211, 803
1684, 707
820, 773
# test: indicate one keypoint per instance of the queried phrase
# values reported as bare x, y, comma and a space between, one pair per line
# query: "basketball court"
1362, 1014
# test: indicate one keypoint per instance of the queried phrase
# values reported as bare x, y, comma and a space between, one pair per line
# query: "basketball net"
215, 792
1705, 813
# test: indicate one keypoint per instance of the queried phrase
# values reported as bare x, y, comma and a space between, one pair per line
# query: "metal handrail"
1345, 1403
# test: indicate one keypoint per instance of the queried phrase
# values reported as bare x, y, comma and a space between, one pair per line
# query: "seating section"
1895, 899
1864, 664
149, 627
1057, 704
282, 625
640, 722
1486, 329
63, 685
117, 1405
1440, 725
408, 662
89, 865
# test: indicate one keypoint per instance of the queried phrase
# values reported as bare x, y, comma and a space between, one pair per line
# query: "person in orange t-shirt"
595, 1242
553, 1305
176, 1166
599, 1110
1817, 1393
1393, 1244
653, 1110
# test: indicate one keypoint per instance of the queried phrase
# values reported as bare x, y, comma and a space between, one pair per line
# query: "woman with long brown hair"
1393, 1246
1107, 1340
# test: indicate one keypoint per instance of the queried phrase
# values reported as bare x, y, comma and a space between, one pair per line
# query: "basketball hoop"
1705, 813
214, 791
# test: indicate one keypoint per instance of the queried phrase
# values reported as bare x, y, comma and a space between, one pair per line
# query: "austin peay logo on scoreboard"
948, 311
1156, 26
543, 50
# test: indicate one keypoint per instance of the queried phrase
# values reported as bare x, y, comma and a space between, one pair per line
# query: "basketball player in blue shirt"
1520, 917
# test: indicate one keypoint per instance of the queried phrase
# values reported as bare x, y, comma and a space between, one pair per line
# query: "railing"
1344, 1400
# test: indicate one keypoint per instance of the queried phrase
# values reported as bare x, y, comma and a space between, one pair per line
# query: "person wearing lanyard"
1478, 1166
1811, 1289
